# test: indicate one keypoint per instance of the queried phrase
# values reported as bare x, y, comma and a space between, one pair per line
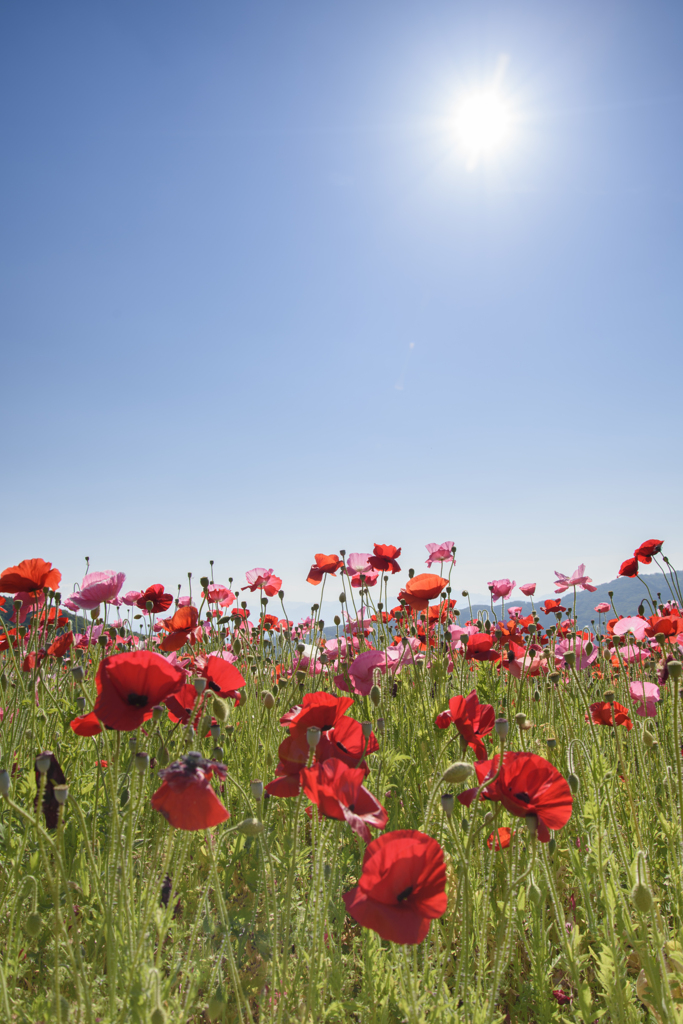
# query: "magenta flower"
602, 607
578, 646
515, 610
647, 695
440, 553
263, 579
501, 588
577, 579
528, 589
97, 588
30, 602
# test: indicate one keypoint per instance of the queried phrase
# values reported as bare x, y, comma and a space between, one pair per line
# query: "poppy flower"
501, 588
130, 685
186, 798
61, 645
402, 886
500, 839
160, 600
646, 696
32, 660
550, 606
263, 579
603, 607
345, 742
180, 628
54, 776
97, 588
31, 574
86, 725
527, 785
338, 792
319, 709
647, 550
223, 677
561, 997
577, 579
384, 558
216, 593
422, 589
323, 564
601, 713
442, 553
669, 625
629, 567
472, 720
480, 648
528, 589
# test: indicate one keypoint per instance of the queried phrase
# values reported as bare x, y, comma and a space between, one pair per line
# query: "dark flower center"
524, 797
136, 700
405, 894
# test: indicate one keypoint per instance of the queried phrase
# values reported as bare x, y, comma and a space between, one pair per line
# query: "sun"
483, 122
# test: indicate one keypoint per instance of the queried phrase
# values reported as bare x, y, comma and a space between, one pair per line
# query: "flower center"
524, 797
136, 700
405, 894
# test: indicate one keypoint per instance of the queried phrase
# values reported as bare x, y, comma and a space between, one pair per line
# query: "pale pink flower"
577, 579
630, 653
635, 624
515, 610
131, 597
578, 646
362, 623
183, 602
602, 607
32, 602
501, 588
357, 565
440, 553
263, 579
647, 695
528, 589
97, 588
218, 594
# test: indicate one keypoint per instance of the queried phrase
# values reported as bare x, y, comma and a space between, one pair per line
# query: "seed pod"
502, 727
4, 782
675, 669
552, 845
80, 704
77, 673
520, 718
61, 794
447, 804
457, 772
158, 1015
313, 735
142, 762
256, 789
250, 827
158, 712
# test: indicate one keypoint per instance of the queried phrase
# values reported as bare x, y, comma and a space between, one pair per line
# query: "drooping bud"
552, 845
220, 709
375, 695
589, 648
158, 1015
641, 897
573, 781
457, 773
216, 1007
250, 827
34, 924
534, 893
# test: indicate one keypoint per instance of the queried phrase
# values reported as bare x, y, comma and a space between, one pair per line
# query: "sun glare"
483, 123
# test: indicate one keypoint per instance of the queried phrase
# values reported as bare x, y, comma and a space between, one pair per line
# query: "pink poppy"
630, 653
131, 597
501, 588
578, 646
634, 624
602, 607
528, 589
440, 553
515, 610
263, 579
646, 695
357, 565
218, 594
577, 579
97, 588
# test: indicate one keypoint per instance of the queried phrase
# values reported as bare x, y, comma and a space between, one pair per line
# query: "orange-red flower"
472, 720
422, 589
338, 792
500, 839
323, 564
180, 628
601, 713
647, 550
61, 645
384, 558
480, 648
31, 574
186, 798
550, 606
629, 567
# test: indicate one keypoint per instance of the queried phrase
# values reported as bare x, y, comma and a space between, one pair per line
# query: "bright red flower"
223, 677
32, 661
345, 742
384, 558
422, 589
31, 574
61, 645
402, 887
160, 600
186, 798
500, 839
562, 998
323, 564
87, 725
601, 713
319, 709
130, 685
527, 785
550, 606
480, 648
669, 625
472, 720
338, 792
647, 550
629, 567
181, 703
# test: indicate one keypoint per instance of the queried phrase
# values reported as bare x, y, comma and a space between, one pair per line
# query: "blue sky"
254, 304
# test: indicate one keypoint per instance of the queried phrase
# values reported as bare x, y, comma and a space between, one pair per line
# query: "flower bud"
552, 845
199, 684
381, 725
218, 753
142, 761
570, 659
675, 669
537, 695
589, 648
158, 712
534, 893
256, 789
520, 718
313, 735
327, 872
488, 817
502, 727
80, 704
17, 604
447, 804
4, 782
648, 738
163, 757
531, 822
34, 924
215, 731
250, 827
573, 781
158, 1015
220, 709
61, 794
641, 897
77, 673
367, 729
553, 677
43, 762
216, 1007
375, 694
457, 773
268, 700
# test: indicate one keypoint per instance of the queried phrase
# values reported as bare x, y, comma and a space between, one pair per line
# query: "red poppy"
320, 709
270, 622
562, 998
32, 661
439, 612
345, 742
130, 685
402, 887
480, 648
31, 574
53, 777
500, 839
528, 785
186, 798
223, 677
5, 639
87, 725
323, 564
472, 720
61, 645
160, 600
629, 567
601, 713
338, 792
422, 589
647, 550
53, 618
669, 625
550, 606
384, 558
181, 703
179, 628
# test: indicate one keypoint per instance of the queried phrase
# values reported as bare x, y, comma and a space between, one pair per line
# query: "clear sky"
255, 302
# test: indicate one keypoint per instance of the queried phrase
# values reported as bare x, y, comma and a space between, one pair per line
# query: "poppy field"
412, 812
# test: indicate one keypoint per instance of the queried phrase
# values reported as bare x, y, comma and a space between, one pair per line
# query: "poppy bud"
327, 872
236, 646
158, 1016
589, 648
337, 620
502, 727
250, 827
552, 845
375, 695
133, 744
641, 898
218, 753
488, 817
531, 628
465, 825
313, 735
267, 700
34, 924
534, 893
158, 712
4, 782
520, 718
204, 580
148, 605
142, 761
43, 762
553, 677
77, 673
537, 695
570, 659
256, 789
675, 669
220, 709
163, 757
367, 729
648, 738
447, 804
102, 640
380, 726
457, 772
531, 822
660, 638
216, 1007
609, 696
573, 781
61, 794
